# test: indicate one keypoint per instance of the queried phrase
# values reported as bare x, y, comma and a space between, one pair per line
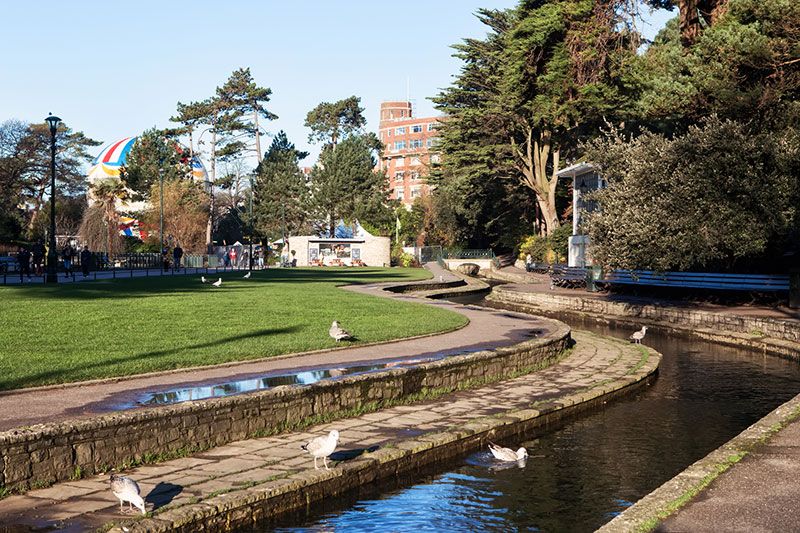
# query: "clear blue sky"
114, 69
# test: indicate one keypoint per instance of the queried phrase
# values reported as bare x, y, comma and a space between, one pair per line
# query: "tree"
241, 93
280, 191
185, 213
153, 154
329, 122
715, 198
106, 194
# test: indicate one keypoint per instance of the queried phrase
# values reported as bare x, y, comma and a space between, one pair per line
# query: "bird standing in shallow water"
127, 490
638, 336
218, 283
507, 454
339, 334
322, 447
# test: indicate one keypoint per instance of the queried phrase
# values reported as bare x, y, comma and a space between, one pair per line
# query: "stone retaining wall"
245, 508
680, 317
47, 453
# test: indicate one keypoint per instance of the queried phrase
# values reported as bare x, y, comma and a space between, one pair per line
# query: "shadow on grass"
59, 375
191, 284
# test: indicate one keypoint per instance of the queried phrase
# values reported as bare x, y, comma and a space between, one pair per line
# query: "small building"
349, 245
585, 179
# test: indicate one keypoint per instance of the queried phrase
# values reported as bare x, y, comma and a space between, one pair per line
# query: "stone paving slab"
264, 464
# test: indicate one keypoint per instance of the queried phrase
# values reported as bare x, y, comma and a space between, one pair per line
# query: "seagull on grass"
322, 447
218, 283
507, 454
337, 333
203, 279
127, 490
247, 276
638, 336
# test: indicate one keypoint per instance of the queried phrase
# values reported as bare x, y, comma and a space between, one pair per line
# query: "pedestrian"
165, 258
232, 254
86, 260
67, 253
528, 262
24, 260
177, 254
261, 258
38, 257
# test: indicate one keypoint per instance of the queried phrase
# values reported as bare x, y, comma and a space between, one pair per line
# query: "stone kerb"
46, 453
679, 317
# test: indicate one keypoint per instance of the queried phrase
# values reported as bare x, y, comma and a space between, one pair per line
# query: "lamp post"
52, 254
161, 216
251, 226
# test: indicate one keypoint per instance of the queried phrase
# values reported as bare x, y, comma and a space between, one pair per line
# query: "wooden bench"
569, 277
316, 262
357, 263
336, 263
541, 268
699, 280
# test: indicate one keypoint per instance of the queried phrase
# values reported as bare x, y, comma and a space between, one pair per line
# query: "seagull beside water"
507, 454
336, 332
127, 490
638, 336
322, 447
218, 283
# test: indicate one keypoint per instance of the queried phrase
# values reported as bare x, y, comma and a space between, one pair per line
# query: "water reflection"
581, 475
306, 377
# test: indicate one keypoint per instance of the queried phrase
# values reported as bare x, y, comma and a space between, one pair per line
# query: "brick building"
409, 143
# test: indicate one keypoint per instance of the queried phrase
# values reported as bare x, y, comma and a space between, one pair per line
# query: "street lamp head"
53, 121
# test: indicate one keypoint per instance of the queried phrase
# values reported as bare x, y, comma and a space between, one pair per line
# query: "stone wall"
47, 453
678, 317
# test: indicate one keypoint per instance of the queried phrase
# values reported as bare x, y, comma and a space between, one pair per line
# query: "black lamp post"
251, 227
162, 254
52, 254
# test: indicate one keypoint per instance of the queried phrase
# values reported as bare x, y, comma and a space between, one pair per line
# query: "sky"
114, 69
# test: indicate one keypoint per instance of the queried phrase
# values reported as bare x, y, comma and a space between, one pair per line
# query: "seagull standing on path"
337, 333
507, 454
322, 447
218, 283
127, 490
638, 336
247, 276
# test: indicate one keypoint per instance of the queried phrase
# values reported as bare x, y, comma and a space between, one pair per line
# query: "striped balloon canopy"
114, 155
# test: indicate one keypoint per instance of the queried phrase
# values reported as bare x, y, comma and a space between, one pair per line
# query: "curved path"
487, 329
179, 488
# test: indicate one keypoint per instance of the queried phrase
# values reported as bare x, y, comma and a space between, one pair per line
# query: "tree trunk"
531, 160
210, 225
696, 13
258, 137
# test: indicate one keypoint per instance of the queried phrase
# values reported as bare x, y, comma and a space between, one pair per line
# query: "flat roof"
575, 170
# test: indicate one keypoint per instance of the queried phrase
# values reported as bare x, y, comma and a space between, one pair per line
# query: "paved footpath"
487, 329
257, 463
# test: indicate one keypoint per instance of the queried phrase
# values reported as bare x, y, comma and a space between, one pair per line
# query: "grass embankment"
75, 332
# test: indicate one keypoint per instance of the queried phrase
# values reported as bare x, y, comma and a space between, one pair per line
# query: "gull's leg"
121, 508
315, 463
325, 460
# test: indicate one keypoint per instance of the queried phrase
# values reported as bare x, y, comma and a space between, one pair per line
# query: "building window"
431, 126
399, 162
414, 175
399, 145
398, 176
416, 192
399, 193
416, 128
415, 143
400, 131
388, 133
415, 161
435, 159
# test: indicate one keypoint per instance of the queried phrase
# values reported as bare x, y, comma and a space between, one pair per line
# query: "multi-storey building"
410, 150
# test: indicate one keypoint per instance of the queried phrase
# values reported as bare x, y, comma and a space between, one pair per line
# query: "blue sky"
114, 69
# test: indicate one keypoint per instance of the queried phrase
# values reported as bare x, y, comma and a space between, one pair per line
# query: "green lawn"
57, 334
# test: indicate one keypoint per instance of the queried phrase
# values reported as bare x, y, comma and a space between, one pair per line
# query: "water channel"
590, 469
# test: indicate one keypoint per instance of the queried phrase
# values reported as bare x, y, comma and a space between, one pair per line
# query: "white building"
585, 179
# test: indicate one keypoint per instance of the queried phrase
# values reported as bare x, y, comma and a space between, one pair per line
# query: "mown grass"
75, 332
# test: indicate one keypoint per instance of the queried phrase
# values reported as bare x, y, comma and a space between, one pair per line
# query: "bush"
551, 249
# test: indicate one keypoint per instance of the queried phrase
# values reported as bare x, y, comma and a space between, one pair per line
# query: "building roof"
576, 170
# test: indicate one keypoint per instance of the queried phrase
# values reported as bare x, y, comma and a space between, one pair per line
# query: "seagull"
322, 447
336, 332
247, 276
127, 490
218, 283
507, 454
203, 279
637, 336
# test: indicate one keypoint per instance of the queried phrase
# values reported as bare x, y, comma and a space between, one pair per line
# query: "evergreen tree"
330, 122
242, 94
152, 157
280, 191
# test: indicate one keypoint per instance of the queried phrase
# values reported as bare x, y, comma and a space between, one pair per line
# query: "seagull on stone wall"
339, 334
637, 336
322, 447
218, 283
507, 454
127, 490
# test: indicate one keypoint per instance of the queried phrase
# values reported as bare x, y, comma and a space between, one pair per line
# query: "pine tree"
241, 93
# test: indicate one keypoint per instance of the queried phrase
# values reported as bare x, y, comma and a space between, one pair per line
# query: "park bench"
336, 262
699, 280
569, 277
357, 263
540, 268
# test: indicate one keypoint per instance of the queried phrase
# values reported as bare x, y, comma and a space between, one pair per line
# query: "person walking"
66, 255
38, 257
177, 254
86, 260
24, 260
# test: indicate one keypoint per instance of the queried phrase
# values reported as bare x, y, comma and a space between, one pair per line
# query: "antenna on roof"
408, 88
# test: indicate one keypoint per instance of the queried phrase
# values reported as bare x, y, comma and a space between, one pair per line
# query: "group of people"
32, 261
